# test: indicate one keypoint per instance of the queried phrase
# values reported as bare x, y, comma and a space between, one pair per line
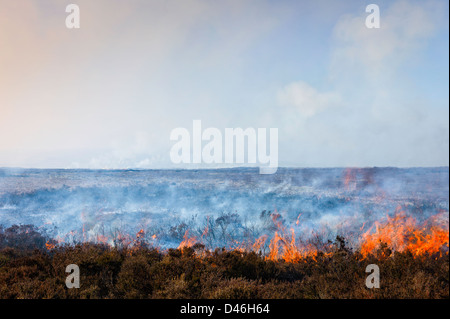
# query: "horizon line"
212, 168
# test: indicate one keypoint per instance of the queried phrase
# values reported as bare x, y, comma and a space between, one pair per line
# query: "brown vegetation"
29, 270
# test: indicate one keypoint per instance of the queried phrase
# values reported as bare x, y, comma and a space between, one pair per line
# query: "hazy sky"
107, 95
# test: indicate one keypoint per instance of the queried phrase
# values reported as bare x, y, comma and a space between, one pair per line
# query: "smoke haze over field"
234, 205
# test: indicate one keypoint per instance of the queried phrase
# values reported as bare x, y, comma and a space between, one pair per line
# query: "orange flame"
399, 233
403, 233
50, 245
187, 241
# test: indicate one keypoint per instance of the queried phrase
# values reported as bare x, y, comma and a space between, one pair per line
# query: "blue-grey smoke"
232, 204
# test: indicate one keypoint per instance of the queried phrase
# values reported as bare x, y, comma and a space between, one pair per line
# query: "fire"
399, 233
259, 243
403, 233
187, 241
283, 244
50, 245
283, 247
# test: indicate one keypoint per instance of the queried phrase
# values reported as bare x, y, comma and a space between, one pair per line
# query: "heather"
29, 269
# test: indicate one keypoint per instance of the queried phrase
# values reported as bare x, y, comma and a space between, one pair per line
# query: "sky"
108, 95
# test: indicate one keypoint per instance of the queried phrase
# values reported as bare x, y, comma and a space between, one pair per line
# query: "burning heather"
403, 233
291, 215
301, 233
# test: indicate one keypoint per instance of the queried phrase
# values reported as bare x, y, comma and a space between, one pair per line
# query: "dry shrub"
198, 273
235, 288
